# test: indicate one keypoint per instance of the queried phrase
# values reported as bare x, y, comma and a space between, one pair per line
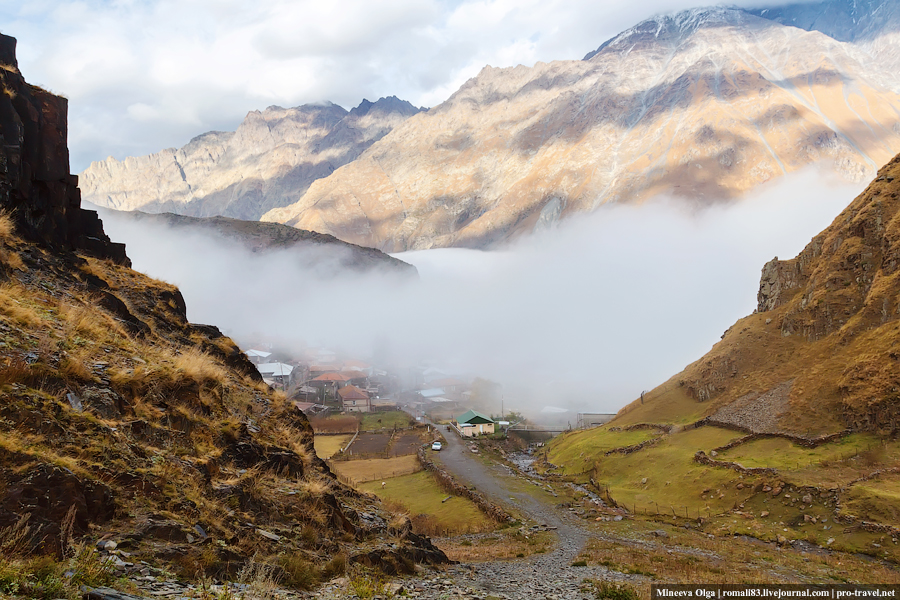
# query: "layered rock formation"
268, 162
824, 339
705, 105
35, 184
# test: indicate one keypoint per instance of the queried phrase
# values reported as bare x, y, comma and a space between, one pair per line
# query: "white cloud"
584, 316
203, 64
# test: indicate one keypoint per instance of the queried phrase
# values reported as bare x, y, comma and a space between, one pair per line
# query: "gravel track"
549, 575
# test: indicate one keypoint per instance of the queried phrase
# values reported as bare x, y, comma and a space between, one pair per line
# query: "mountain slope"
121, 420
265, 237
786, 430
268, 162
824, 338
705, 104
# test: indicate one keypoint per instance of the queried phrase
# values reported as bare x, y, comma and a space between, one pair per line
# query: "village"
322, 385
383, 431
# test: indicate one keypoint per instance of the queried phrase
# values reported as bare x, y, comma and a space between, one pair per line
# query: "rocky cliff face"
705, 105
35, 184
268, 162
824, 339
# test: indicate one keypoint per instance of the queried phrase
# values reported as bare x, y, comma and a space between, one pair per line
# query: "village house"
474, 423
354, 399
258, 356
277, 372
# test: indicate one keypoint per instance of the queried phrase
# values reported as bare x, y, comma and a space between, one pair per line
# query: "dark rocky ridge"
35, 183
263, 237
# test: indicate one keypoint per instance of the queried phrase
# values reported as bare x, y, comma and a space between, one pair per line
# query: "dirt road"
549, 575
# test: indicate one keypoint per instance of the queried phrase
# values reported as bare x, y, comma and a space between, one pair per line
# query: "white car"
436, 446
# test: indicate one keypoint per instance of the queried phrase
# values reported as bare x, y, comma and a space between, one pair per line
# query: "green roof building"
474, 423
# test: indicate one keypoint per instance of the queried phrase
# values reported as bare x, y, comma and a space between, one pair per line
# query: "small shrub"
309, 535
34, 578
335, 567
579, 563
299, 573
368, 584
873, 456
615, 591
74, 367
89, 568
260, 580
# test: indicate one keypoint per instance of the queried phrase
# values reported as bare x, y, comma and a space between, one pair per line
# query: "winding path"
549, 575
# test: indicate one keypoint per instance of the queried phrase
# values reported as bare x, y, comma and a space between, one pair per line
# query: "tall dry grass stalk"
260, 579
199, 366
7, 229
14, 539
12, 307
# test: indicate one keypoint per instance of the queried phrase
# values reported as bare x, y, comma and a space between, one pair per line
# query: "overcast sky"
143, 75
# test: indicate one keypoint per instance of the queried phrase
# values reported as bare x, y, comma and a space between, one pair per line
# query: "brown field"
360, 471
334, 424
407, 443
370, 443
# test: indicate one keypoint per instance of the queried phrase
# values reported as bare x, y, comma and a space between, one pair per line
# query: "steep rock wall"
35, 183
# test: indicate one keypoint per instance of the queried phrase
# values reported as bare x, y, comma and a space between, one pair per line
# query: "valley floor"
608, 556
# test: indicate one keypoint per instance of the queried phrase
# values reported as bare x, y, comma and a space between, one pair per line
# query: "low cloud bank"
582, 317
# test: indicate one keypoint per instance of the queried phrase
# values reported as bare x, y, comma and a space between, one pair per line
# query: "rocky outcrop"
35, 184
268, 162
703, 105
819, 355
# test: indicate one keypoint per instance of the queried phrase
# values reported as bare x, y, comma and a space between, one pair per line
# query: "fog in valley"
583, 316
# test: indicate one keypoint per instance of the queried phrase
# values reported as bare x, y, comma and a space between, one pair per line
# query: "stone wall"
703, 459
447, 481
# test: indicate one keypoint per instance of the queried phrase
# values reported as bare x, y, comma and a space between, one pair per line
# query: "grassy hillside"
786, 429
120, 420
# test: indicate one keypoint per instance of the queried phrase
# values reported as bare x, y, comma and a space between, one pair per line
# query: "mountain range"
268, 162
703, 105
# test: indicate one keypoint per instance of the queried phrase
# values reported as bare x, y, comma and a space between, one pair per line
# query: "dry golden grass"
8, 256
90, 323
13, 305
199, 366
689, 557
377, 469
74, 366
39, 448
316, 487
329, 445
11, 259
501, 545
